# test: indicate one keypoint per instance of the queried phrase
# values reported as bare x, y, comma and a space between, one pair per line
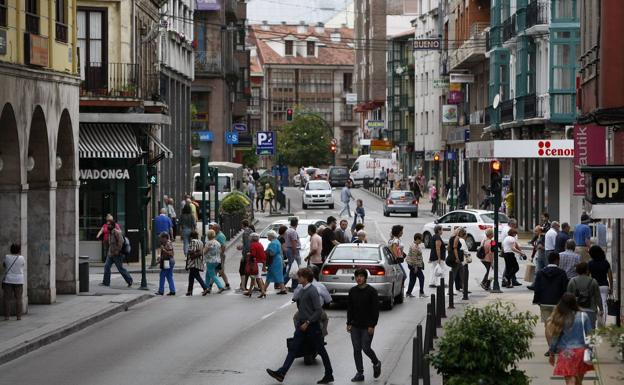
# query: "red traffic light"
495, 166
289, 114
333, 147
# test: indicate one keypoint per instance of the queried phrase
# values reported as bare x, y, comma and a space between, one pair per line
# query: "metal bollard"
439, 306
288, 205
434, 312
465, 282
442, 307
430, 328
450, 291
425, 372
417, 356
428, 341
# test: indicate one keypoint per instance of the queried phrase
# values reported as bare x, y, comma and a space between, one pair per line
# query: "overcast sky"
293, 11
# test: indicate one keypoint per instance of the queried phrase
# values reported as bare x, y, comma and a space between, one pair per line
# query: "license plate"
347, 271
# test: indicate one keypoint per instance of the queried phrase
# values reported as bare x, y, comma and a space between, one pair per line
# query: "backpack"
126, 248
583, 297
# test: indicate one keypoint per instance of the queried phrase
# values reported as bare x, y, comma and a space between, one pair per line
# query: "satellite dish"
496, 101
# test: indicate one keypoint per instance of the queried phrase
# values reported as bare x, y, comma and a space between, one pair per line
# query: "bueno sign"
426, 44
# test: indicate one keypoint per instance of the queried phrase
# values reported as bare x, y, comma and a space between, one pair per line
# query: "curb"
64, 331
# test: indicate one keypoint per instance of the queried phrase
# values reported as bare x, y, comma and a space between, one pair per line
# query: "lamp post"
496, 187
205, 147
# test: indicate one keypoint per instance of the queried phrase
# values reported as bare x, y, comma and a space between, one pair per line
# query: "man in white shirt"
316, 245
550, 240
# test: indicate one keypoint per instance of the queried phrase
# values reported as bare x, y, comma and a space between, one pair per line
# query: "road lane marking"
286, 304
267, 315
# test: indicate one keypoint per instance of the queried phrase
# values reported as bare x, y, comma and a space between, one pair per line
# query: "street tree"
305, 141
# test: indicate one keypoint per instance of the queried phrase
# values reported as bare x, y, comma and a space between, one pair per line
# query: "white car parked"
474, 221
302, 230
317, 193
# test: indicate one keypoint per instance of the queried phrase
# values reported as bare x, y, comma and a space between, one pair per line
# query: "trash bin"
83, 274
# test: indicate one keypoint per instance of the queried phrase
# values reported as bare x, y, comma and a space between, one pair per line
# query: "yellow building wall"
119, 17
61, 56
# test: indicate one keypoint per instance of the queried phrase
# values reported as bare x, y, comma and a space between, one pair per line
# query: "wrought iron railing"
537, 13
529, 104
208, 62
507, 111
119, 80
509, 28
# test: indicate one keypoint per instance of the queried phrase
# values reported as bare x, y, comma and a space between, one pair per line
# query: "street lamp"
436, 171
496, 186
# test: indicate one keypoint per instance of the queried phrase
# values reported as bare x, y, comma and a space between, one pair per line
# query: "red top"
105, 233
257, 251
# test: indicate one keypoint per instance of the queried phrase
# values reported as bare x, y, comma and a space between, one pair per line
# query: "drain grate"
219, 371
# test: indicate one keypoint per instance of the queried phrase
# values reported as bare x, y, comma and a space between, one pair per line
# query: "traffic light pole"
203, 169
496, 187
141, 171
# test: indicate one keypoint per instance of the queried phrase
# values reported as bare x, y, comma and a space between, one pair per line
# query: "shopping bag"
438, 271
529, 272
613, 306
294, 268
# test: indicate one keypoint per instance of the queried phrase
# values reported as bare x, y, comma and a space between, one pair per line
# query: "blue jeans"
540, 262
211, 275
345, 208
186, 238
167, 274
290, 259
118, 261
313, 334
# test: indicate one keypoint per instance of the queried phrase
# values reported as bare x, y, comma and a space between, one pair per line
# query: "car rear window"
338, 171
356, 252
398, 194
489, 218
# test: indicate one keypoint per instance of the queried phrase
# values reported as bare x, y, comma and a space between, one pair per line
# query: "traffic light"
152, 175
289, 114
436, 157
332, 147
496, 181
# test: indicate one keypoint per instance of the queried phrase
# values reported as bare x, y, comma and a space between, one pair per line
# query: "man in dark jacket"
362, 316
550, 284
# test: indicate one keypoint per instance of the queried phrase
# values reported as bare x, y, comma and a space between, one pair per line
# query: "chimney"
265, 25
320, 28
283, 23
302, 27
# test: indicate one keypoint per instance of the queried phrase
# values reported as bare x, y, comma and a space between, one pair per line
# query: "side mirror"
435, 221
333, 189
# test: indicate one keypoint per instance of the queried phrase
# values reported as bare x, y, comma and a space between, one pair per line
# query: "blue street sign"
240, 127
205, 136
451, 155
265, 140
231, 137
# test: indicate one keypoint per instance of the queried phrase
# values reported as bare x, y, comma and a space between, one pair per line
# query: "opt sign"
265, 143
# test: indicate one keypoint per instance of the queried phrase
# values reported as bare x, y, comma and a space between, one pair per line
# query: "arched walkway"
66, 209
41, 197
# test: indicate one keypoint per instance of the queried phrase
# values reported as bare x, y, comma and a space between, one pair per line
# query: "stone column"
41, 244
67, 238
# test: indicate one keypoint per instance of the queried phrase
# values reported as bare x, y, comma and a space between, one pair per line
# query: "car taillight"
485, 227
414, 202
376, 270
390, 202
333, 269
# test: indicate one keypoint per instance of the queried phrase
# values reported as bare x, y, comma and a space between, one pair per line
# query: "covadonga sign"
104, 174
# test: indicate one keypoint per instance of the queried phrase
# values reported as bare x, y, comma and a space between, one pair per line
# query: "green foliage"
235, 202
250, 159
484, 345
305, 141
193, 111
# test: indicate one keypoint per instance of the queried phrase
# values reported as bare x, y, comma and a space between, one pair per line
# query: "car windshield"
489, 218
338, 171
302, 230
356, 252
322, 185
399, 194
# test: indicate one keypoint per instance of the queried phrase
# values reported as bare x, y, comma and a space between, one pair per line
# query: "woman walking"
416, 266
268, 196
212, 254
486, 245
259, 196
275, 262
105, 233
600, 270
510, 249
195, 264
187, 224
13, 281
568, 326
256, 256
167, 262
396, 246
359, 214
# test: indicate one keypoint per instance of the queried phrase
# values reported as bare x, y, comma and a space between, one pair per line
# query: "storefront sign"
455, 97
37, 50
207, 5
589, 149
449, 115
381, 149
426, 44
351, 99
604, 191
90, 174
561, 148
441, 83
374, 128
454, 87
462, 78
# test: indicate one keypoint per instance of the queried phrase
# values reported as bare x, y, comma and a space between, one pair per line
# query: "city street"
218, 339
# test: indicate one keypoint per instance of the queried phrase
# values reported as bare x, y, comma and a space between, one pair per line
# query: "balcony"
509, 28
507, 111
346, 148
537, 17
529, 105
208, 62
471, 50
118, 80
347, 116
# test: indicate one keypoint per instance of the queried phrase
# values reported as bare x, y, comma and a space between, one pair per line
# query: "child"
416, 266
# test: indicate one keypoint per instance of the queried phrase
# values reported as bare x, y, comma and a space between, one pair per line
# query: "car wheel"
470, 243
399, 298
304, 206
427, 239
386, 214
331, 206
414, 215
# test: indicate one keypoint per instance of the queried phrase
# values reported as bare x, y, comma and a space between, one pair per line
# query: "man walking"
550, 239
316, 244
308, 327
342, 233
345, 198
550, 284
582, 237
362, 316
116, 241
562, 237
569, 259
293, 245
163, 224
329, 237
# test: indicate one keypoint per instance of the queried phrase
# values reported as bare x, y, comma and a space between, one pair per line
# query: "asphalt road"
219, 339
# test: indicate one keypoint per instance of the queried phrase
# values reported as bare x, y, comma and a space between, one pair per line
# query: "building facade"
310, 67
39, 150
220, 91
122, 115
176, 76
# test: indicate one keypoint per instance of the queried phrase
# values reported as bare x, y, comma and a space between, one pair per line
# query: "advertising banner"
589, 150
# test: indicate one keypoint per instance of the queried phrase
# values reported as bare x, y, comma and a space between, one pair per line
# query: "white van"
367, 167
226, 186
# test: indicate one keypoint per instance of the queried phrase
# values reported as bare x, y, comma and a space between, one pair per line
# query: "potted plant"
484, 345
128, 91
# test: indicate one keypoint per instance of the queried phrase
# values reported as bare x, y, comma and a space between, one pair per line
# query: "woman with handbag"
275, 263
13, 281
187, 224
212, 254
396, 247
569, 327
256, 264
358, 217
167, 262
510, 249
600, 270
195, 264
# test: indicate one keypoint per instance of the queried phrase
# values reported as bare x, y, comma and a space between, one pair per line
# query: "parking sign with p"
265, 143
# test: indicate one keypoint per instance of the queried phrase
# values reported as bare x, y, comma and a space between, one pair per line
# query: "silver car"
400, 202
384, 273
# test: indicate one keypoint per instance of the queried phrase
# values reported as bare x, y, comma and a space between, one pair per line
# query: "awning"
164, 151
108, 140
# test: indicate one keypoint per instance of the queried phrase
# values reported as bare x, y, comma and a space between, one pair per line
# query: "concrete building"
39, 147
220, 91
310, 67
176, 76
122, 113
374, 21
